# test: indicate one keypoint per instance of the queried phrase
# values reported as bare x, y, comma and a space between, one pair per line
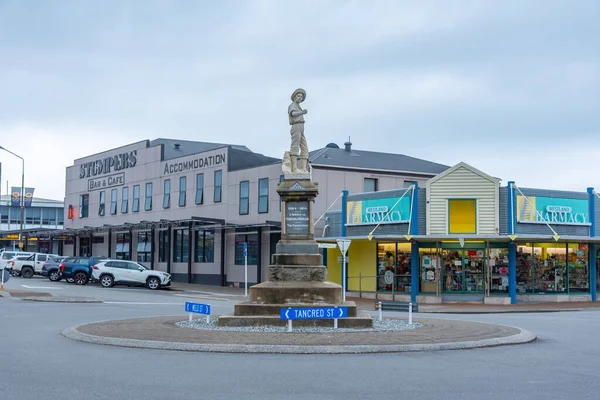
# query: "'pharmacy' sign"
557, 211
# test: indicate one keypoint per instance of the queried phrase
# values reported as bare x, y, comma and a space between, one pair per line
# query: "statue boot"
303, 165
294, 163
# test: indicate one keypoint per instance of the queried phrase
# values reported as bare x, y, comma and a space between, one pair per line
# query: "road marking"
140, 303
42, 287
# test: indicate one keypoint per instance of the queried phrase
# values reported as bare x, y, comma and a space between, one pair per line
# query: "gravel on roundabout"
385, 325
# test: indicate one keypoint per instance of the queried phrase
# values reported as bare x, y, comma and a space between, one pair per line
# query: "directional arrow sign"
197, 308
556, 237
286, 314
513, 237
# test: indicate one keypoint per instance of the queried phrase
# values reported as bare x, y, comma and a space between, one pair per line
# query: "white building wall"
462, 183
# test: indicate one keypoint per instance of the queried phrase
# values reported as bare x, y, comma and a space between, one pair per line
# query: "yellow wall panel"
363, 260
334, 269
462, 216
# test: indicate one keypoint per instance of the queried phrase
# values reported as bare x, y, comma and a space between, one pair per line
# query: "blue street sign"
245, 245
197, 308
313, 313
245, 253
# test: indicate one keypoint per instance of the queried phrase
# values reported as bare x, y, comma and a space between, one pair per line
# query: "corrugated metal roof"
189, 147
372, 160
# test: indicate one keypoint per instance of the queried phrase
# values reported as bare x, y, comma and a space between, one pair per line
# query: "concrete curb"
4, 293
62, 299
474, 312
73, 333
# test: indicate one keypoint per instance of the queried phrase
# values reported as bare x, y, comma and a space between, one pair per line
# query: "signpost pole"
246, 269
289, 325
410, 313
335, 322
208, 318
2, 273
344, 278
190, 319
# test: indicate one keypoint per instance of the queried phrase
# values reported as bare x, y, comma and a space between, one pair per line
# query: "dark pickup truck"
78, 269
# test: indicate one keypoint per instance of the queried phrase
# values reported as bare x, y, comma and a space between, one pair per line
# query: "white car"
7, 255
111, 272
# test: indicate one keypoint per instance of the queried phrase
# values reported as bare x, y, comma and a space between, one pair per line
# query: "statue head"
299, 95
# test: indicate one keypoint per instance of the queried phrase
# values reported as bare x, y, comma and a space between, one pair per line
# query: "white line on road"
142, 303
41, 287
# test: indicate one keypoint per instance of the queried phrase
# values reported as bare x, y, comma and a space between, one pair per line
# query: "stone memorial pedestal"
297, 277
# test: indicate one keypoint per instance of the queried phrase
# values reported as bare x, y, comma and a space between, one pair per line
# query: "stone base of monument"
297, 277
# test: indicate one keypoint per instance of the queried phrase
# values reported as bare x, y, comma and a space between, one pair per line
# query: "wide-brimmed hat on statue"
301, 91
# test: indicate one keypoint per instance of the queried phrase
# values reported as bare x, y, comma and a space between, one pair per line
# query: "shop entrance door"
464, 271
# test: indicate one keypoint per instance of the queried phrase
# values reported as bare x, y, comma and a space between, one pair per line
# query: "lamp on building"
22, 198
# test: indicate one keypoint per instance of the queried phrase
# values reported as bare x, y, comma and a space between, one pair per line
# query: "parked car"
111, 272
6, 255
29, 266
78, 269
51, 267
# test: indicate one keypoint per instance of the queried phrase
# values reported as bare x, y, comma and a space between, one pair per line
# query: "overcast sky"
511, 87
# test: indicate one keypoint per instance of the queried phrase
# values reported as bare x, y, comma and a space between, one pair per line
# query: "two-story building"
188, 207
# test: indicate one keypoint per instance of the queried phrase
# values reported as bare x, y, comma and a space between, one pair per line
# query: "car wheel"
80, 278
15, 273
153, 283
70, 280
107, 281
27, 272
53, 276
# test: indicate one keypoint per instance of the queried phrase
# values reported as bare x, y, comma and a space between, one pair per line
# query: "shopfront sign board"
379, 211
554, 211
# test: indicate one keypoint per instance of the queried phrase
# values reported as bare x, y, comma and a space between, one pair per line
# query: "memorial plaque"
296, 218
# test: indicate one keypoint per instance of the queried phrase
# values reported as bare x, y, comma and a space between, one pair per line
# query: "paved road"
36, 362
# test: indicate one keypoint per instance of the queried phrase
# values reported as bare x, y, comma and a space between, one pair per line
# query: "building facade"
188, 208
472, 240
43, 215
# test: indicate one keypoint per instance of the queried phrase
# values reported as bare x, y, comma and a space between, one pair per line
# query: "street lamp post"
22, 198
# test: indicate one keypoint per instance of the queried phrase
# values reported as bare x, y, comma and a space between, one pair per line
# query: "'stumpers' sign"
107, 165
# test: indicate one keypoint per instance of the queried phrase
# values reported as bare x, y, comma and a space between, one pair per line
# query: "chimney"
176, 145
348, 145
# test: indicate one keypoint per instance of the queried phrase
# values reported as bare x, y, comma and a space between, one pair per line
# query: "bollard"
380, 312
410, 313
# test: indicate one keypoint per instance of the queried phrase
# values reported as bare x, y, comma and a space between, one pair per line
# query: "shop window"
205, 247
148, 199
218, 186
144, 246
60, 216
370, 185
123, 246
3, 214
166, 194
578, 274
181, 245
393, 267
498, 268
84, 203
49, 216
125, 200
199, 189
252, 242
244, 197
462, 216
84, 247
163, 245
97, 239
113, 201
102, 204
182, 190
135, 206
263, 195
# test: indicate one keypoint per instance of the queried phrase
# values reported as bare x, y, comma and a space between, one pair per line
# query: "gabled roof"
371, 160
240, 159
466, 166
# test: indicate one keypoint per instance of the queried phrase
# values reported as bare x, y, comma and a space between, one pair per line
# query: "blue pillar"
344, 220
512, 217
344, 211
414, 272
512, 272
593, 277
414, 220
592, 247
